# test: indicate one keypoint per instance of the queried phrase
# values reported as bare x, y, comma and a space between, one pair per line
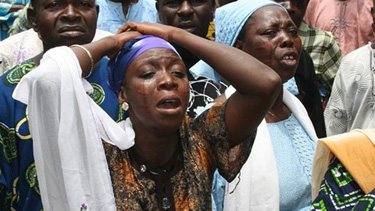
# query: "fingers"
129, 26
121, 39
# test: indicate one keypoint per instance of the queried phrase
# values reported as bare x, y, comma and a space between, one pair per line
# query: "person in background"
171, 165
9, 10
276, 164
64, 23
304, 84
114, 14
351, 105
347, 20
319, 44
195, 18
24, 45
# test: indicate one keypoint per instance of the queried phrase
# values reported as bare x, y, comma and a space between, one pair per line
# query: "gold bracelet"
90, 56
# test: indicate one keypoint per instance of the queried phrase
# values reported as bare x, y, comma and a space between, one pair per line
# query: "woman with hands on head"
171, 164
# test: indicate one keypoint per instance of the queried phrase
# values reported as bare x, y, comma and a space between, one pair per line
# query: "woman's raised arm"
107, 46
257, 84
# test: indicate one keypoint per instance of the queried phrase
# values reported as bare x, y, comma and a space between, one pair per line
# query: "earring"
125, 106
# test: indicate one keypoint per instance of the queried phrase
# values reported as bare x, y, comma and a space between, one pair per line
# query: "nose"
185, 9
71, 13
167, 82
287, 41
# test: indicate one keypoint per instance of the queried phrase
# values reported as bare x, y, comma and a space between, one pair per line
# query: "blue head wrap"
130, 51
231, 18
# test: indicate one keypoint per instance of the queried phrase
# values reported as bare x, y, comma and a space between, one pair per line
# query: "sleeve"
340, 103
7, 139
211, 126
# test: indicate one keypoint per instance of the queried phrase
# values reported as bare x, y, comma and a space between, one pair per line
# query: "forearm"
97, 51
248, 75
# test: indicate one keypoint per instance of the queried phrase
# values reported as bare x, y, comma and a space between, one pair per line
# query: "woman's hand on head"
120, 39
146, 28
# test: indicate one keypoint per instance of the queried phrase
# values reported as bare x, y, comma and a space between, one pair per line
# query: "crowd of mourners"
187, 105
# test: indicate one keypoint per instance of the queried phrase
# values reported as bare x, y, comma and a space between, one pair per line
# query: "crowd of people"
187, 105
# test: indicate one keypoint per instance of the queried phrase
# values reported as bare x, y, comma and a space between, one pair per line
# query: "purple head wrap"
130, 51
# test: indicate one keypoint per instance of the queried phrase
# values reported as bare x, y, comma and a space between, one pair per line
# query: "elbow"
272, 86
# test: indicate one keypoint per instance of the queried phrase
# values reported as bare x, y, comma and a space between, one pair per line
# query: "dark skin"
63, 22
271, 36
295, 8
193, 16
257, 85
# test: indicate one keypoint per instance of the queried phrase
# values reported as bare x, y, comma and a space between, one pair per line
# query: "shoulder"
321, 37
13, 76
358, 57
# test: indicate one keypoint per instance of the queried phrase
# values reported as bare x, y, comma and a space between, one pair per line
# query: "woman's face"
156, 88
271, 37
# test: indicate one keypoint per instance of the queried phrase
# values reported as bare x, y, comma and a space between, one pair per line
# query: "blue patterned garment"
6, 18
111, 16
294, 153
19, 188
339, 191
291, 86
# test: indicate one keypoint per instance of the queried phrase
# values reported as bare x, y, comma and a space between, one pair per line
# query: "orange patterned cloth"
211, 31
188, 182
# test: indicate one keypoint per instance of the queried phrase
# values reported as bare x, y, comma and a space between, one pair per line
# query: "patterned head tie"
231, 18
130, 51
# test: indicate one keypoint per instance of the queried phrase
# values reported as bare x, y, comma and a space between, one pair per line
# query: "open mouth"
169, 104
289, 60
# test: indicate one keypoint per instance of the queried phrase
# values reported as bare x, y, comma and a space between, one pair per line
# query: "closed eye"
147, 75
179, 74
270, 33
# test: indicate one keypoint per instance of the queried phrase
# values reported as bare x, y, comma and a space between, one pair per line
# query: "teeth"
288, 57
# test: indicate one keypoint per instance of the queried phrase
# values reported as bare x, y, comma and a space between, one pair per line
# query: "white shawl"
256, 187
67, 129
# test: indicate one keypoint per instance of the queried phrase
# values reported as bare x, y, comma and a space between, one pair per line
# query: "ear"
97, 9
31, 16
213, 9
157, 6
122, 97
238, 44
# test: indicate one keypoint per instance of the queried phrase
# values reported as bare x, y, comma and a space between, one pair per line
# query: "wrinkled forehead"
34, 3
179, 2
158, 57
268, 13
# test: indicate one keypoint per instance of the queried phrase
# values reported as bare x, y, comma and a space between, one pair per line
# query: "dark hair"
33, 3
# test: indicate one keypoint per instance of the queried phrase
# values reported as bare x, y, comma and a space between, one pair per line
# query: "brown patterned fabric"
203, 149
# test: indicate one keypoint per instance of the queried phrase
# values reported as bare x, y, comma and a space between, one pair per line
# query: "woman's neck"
155, 148
278, 112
